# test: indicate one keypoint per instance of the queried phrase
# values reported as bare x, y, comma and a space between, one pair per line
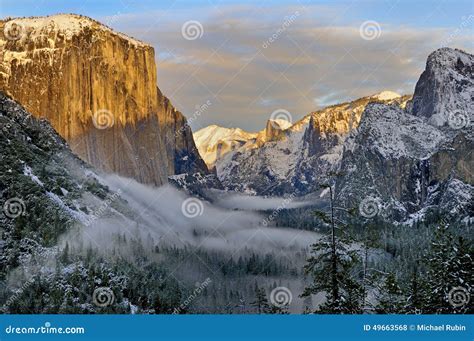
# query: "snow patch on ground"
28, 172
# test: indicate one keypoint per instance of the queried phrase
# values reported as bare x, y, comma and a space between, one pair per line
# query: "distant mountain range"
413, 154
79, 101
285, 158
98, 90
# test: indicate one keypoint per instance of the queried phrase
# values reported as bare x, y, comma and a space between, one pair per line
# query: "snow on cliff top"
69, 24
214, 141
281, 123
213, 134
395, 133
444, 92
385, 95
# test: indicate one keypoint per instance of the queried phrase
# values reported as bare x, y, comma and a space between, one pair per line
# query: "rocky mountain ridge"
215, 142
419, 160
98, 88
413, 156
292, 159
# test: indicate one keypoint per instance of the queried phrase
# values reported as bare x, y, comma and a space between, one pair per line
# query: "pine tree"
331, 264
416, 299
390, 298
261, 302
449, 261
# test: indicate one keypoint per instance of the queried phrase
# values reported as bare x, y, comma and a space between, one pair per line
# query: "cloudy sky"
250, 58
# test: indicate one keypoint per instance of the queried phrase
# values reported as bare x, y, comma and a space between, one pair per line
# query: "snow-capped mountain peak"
290, 158
385, 95
280, 123
58, 27
445, 91
215, 141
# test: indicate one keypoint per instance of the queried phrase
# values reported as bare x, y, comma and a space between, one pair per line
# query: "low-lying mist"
229, 242
168, 216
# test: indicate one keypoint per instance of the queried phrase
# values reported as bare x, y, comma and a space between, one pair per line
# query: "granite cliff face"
98, 88
410, 157
445, 90
285, 160
418, 159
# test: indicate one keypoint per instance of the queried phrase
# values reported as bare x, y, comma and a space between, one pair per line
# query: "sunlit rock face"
98, 88
289, 158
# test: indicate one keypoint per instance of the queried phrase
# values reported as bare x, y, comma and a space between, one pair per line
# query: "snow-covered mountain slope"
445, 91
415, 156
213, 142
415, 161
44, 188
292, 159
